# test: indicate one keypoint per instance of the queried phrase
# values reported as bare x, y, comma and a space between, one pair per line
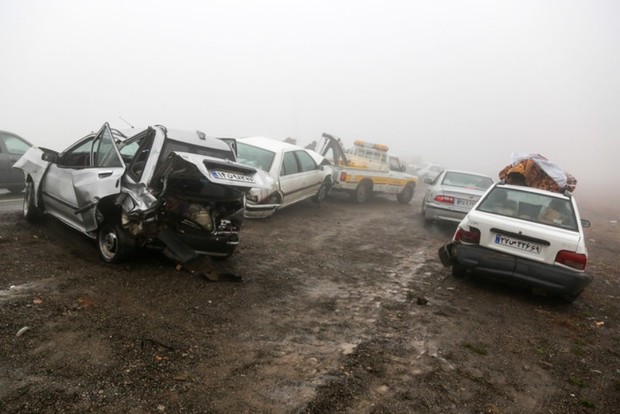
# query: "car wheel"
361, 193
406, 195
458, 271
30, 211
115, 245
320, 196
570, 298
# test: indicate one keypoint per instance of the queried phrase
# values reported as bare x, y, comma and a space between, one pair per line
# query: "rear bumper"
443, 214
511, 269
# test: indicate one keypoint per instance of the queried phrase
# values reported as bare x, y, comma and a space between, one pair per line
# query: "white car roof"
533, 190
270, 144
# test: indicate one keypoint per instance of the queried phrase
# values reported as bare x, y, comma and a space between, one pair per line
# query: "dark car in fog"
12, 147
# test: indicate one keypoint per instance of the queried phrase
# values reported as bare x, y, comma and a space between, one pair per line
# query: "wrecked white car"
178, 191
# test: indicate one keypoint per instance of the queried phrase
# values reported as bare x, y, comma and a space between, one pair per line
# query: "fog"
459, 83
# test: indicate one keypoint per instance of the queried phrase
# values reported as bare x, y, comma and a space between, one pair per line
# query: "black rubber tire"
458, 271
361, 193
570, 298
29, 210
405, 196
320, 195
115, 245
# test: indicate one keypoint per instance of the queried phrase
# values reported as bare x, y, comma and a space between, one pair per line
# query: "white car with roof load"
523, 235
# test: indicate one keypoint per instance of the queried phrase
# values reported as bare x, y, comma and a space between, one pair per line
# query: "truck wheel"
361, 193
30, 211
406, 195
115, 245
323, 191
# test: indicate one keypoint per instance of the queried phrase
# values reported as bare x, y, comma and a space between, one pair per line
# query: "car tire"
361, 194
30, 211
570, 298
115, 245
320, 196
405, 196
458, 271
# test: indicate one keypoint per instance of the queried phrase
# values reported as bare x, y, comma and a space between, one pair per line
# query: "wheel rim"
108, 244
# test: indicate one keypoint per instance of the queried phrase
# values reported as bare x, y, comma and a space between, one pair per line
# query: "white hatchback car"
523, 235
297, 174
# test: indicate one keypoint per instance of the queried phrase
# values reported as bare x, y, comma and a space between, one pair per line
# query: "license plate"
225, 175
523, 245
465, 203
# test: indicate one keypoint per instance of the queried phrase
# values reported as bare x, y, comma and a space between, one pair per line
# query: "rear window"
538, 208
457, 179
254, 156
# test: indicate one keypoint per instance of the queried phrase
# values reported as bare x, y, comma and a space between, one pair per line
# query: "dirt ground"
341, 308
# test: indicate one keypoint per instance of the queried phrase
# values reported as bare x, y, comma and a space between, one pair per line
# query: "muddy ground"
341, 308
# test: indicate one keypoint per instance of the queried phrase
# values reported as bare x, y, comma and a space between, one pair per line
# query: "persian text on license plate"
527, 246
224, 175
466, 203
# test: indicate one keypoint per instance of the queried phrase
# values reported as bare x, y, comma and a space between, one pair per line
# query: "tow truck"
365, 169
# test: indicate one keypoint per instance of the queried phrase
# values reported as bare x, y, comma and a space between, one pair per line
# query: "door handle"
104, 174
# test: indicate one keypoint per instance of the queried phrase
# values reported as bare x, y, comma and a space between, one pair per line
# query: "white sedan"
297, 174
523, 235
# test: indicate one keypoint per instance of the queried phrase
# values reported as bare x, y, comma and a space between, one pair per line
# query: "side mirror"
49, 156
585, 223
403, 168
428, 181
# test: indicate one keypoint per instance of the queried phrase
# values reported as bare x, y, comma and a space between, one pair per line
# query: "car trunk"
516, 237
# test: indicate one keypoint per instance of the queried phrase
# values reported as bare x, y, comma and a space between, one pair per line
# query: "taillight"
444, 199
343, 176
467, 236
575, 260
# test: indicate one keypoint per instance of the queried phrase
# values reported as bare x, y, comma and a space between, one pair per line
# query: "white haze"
460, 83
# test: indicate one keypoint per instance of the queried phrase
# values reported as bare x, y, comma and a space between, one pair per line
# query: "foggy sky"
460, 83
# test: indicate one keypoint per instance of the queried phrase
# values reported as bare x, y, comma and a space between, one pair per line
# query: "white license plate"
523, 245
465, 203
224, 175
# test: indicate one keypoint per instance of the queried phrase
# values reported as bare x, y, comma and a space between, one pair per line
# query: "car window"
78, 156
394, 164
135, 153
15, 145
105, 150
289, 164
254, 156
306, 162
457, 179
524, 205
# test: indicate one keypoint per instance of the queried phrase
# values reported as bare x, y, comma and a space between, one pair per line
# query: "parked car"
452, 194
523, 235
429, 171
179, 191
12, 147
296, 174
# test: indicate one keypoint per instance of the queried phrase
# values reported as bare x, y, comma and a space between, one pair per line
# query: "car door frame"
76, 206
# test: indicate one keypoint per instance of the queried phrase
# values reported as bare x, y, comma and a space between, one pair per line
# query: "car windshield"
457, 179
535, 207
255, 156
